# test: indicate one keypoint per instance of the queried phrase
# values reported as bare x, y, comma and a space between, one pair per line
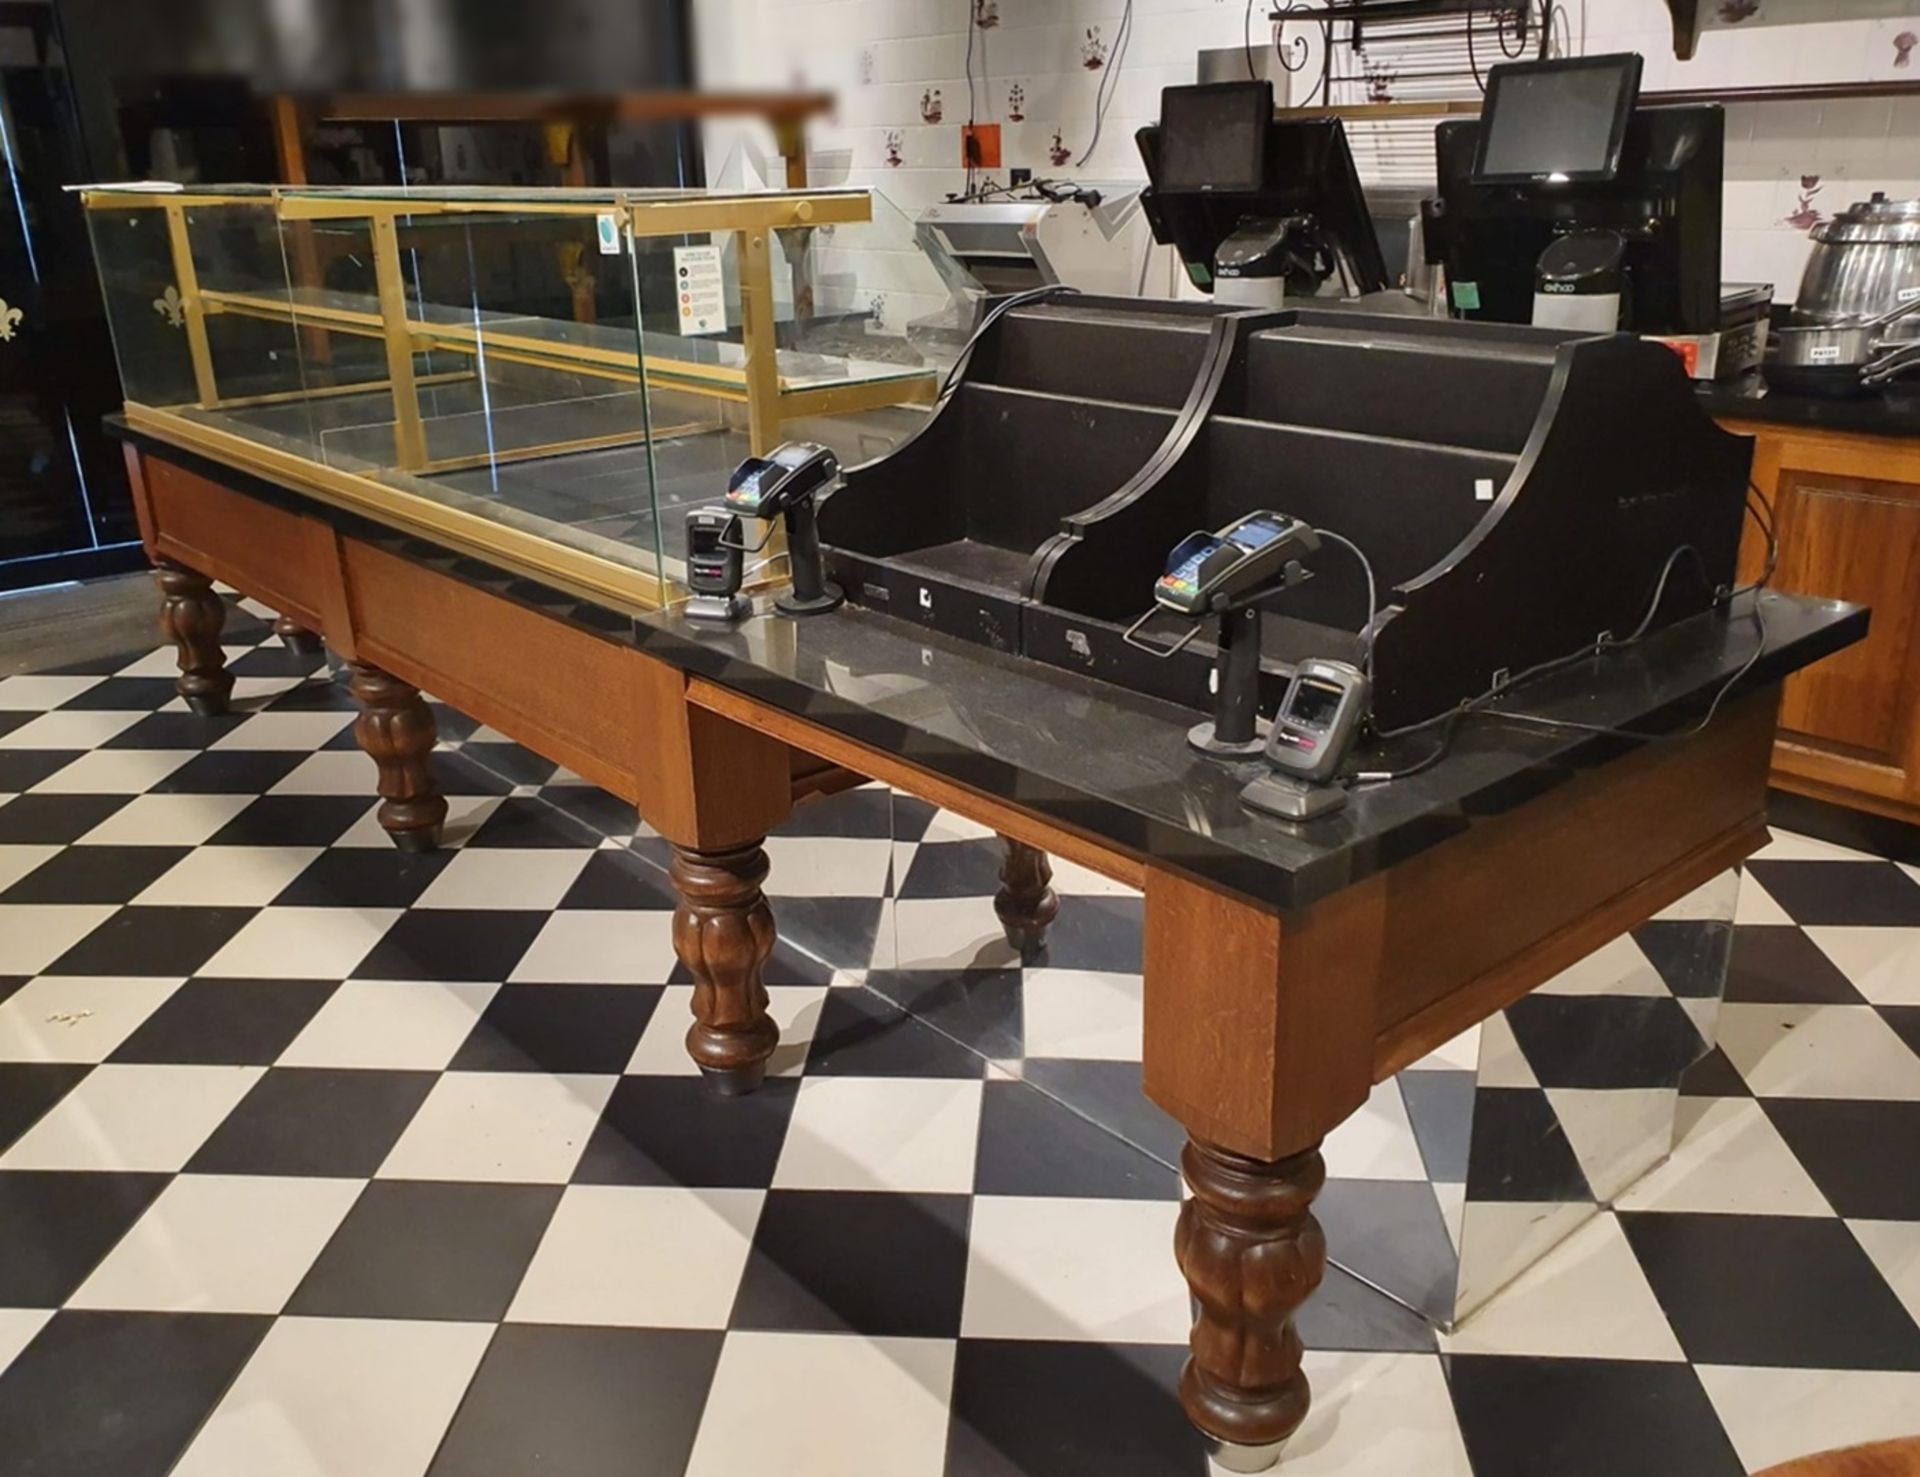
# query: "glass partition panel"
146, 305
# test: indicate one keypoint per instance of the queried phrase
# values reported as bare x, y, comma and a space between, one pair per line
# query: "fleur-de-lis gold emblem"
170, 306
9, 319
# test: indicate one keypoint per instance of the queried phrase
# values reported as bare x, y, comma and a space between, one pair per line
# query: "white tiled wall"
887, 59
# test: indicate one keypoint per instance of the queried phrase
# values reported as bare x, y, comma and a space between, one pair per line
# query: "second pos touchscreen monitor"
1556, 121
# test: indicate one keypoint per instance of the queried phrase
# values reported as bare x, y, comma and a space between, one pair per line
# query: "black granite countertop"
1749, 398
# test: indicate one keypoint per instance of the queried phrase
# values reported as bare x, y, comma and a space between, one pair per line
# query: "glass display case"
549, 378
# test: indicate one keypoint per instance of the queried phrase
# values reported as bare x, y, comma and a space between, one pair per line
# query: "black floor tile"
231, 771
147, 941
911, 817
1905, 1020
226, 1022
451, 724
315, 1121
29, 1089
94, 874
176, 731
1605, 1041
1772, 1290
1031, 1144
980, 1008
1861, 894
954, 869
277, 661
677, 1131
1587, 1418
861, 1035
823, 934
56, 1226
1346, 1314
584, 1402
117, 1394
9, 983
863, 813
1520, 1151
558, 1029
127, 695
457, 774
1099, 933
1777, 964
364, 877
1864, 1155
527, 821
1033, 1409
317, 696
1391, 1233
480, 945
22, 769
10, 720
295, 820
1689, 954
1109, 1093
1440, 1107
619, 879
1713, 1076
512, 762
594, 807
832, 1261
54, 820
424, 1249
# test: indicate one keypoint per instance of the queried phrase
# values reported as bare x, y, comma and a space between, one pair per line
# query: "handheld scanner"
767, 486
1318, 719
1208, 571
714, 563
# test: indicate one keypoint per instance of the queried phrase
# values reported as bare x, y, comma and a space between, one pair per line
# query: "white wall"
883, 57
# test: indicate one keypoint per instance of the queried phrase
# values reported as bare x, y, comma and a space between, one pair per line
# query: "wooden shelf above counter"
1847, 516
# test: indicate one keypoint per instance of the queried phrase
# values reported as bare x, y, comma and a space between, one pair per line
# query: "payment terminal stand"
784, 485
1228, 573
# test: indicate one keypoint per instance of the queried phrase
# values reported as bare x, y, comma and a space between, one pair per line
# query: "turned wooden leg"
723, 933
296, 637
1252, 1254
395, 727
192, 615
1026, 901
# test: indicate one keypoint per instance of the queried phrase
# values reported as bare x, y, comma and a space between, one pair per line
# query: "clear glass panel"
146, 307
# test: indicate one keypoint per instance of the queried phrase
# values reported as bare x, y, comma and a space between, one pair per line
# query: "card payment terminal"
783, 484
1211, 571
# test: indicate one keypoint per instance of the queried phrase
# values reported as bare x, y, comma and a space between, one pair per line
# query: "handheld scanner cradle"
769, 486
714, 562
1215, 571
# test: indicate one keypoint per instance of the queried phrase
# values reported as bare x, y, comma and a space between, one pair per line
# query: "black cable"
993, 316
1472, 61
1103, 94
1246, 39
973, 115
1373, 600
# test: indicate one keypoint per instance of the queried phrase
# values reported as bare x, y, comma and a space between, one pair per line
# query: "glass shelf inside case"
545, 378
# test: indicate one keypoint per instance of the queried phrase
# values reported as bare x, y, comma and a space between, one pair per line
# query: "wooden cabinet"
1847, 515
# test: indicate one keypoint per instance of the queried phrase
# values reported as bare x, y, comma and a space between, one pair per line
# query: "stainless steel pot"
1840, 359
1865, 263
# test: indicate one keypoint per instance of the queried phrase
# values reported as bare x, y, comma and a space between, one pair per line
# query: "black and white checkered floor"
320, 1160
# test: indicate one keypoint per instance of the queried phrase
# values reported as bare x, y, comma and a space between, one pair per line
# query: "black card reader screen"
1557, 120
1256, 535
1314, 703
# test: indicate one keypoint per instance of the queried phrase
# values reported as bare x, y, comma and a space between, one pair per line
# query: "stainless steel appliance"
1858, 309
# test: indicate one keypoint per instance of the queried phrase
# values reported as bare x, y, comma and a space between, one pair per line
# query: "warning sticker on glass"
699, 290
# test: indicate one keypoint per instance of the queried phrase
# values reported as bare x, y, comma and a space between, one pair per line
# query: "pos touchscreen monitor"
1553, 121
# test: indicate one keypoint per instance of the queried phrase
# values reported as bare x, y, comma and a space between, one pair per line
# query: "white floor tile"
1616, 1134
76, 1018
516, 1127
662, 1048
1070, 879
1894, 1247
17, 861
1460, 1054
1074, 1268
295, 732
1615, 968
946, 826
132, 1117
301, 943
114, 772
465, 814
389, 1024
1375, 1414
229, 876
1774, 1415
612, 946
221, 1244
827, 866
330, 772
1883, 964
80, 728
1586, 1298
33, 935
871, 1133
1790, 846
1376, 1143
1756, 905
642, 1257
1728, 1159
1826, 1051
325, 1397
18, 1327
942, 933
506, 877
166, 820
826, 1405
1502, 1063
1082, 1014
35, 694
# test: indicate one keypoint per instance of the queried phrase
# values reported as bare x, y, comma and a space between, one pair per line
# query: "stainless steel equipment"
1844, 358
1855, 311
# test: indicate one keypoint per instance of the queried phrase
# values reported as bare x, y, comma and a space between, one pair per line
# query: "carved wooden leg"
1026, 901
723, 933
296, 637
192, 615
1252, 1254
396, 729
